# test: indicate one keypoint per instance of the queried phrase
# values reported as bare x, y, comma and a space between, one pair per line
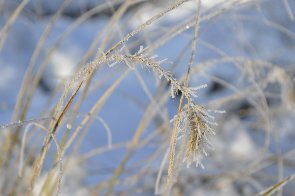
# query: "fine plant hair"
191, 133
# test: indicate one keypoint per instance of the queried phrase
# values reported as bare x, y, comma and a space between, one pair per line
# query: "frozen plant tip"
196, 121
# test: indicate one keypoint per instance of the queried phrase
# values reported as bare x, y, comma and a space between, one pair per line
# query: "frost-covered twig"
19, 123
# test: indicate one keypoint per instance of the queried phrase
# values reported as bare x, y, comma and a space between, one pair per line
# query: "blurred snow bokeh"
262, 31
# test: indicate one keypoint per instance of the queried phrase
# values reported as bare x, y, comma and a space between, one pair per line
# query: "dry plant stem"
128, 97
161, 171
275, 25
101, 83
9, 173
269, 191
59, 157
176, 166
113, 22
289, 10
158, 93
100, 186
275, 133
22, 149
133, 143
183, 27
29, 157
47, 184
59, 42
25, 82
20, 123
145, 120
53, 126
96, 107
79, 20
125, 144
114, 18
16, 161
60, 161
269, 162
49, 101
254, 170
179, 28
175, 134
3, 35
119, 145
65, 34
260, 109
67, 105
145, 24
41, 70
145, 88
94, 110
142, 81
245, 42
60, 165
136, 136
75, 110
76, 107
222, 101
189, 23
242, 93
149, 94
146, 166
5, 30
255, 94
264, 111
100, 150
35, 55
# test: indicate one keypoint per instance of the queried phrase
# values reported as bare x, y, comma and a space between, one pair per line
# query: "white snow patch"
8, 74
242, 147
62, 64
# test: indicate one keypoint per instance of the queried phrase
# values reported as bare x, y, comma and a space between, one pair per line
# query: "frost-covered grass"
132, 97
